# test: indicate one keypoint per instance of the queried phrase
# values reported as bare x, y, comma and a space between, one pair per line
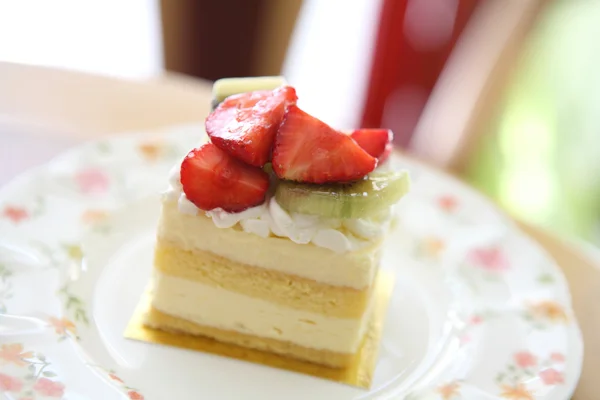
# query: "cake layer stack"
271, 231
298, 300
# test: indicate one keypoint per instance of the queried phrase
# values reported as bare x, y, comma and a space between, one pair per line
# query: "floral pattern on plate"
28, 374
498, 282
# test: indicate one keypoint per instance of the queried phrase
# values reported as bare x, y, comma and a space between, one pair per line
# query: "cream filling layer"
210, 306
356, 269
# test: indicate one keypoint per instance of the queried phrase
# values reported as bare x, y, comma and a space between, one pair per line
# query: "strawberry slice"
376, 142
244, 125
211, 178
308, 150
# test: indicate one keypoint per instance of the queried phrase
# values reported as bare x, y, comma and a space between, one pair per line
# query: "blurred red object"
414, 40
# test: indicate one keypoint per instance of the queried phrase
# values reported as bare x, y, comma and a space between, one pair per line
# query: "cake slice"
282, 258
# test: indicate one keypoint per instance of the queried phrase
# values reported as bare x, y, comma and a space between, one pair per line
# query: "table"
57, 109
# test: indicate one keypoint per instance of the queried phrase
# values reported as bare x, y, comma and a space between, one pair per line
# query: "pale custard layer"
216, 307
159, 320
274, 286
355, 269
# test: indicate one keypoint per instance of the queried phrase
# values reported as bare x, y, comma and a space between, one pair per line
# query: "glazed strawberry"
244, 125
376, 142
211, 178
308, 150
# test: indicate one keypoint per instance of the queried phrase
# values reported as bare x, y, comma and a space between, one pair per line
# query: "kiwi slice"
226, 87
360, 199
268, 168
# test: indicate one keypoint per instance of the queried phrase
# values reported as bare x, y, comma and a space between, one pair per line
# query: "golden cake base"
359, 372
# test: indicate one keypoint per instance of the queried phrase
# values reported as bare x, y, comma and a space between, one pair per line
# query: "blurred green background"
541, 158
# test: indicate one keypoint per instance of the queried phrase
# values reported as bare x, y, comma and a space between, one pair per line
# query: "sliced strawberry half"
376, 142
211, 178
244, 125
308, 150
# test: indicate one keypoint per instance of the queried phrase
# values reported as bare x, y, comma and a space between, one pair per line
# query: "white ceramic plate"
479, 310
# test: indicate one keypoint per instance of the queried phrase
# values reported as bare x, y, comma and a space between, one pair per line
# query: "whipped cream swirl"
270, 219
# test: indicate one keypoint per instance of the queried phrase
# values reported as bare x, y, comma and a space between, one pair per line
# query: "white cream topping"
270, 218
211, 306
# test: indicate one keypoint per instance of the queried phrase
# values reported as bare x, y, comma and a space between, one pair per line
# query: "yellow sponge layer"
274, 286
